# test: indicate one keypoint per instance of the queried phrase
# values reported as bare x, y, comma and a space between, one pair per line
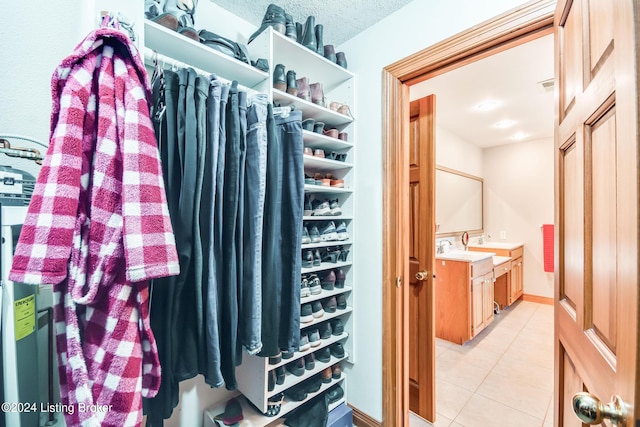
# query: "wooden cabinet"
464, 298
509, 283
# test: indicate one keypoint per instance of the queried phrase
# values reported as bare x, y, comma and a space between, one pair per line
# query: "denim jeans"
254, 193
242, 118
282, 232
229, 297
212, 374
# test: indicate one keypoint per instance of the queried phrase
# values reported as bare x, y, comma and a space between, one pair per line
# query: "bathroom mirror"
458, 202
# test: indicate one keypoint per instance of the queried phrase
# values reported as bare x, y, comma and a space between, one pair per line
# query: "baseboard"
360, 419
538, 299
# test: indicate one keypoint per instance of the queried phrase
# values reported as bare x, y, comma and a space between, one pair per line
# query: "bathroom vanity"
464, 294
508, 270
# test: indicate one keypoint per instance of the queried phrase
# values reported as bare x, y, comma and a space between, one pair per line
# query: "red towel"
547, 244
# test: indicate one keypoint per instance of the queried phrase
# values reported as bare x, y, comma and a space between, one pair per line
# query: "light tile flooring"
502, 377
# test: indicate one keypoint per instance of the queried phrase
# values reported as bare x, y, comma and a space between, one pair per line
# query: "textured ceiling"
341, 19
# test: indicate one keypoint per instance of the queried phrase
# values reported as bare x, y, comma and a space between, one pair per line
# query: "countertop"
465, 256
498, 245
497, 260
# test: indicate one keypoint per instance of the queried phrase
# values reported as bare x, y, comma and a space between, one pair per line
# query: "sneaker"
328, 232
308, 207
317, 310
325, 330
314, 284
328, 280
296, 367
306, 313
341, 300
335, 207
314, 235
304, 342
307, 259
304, 288
342, 231
330, 305
306, 239
321, 208
340, 278
337, 350
309, 361
314, 338
337, 328
323, 355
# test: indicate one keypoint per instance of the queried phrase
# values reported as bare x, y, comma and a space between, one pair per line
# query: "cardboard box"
340, 416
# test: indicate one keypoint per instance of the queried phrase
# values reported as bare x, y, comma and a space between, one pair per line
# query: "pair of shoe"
310, 285
330, 233
331, 372
275, 376
326, 180
309, 312
335, 278
324, 207
314, 93
311, 258
177, 15
286, 83
335, 394
335, 57
340, 109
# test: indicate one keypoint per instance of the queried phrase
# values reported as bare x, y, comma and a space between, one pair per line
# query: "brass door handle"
421, 275
591, 410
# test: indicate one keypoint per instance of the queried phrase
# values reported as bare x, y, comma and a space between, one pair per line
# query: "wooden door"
596, 297
421, 258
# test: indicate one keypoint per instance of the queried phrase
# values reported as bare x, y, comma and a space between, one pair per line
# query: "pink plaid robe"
98, 229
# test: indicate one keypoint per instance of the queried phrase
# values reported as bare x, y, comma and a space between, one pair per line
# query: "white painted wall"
456, 153
410, 29
518, 199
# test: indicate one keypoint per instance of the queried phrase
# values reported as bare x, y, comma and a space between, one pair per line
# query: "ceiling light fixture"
504, 124
519, 136
487, 105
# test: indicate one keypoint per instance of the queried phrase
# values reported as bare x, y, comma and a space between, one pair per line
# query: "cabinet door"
477, 305
517, 279
487, 297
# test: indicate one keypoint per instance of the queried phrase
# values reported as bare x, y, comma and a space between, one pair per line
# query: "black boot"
279, 81
341, 60
330, 53
291, 28
319, 44
274, 17
309, 34
292, 85
299, 32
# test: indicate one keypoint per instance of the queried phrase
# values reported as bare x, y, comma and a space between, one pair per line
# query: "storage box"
340, 416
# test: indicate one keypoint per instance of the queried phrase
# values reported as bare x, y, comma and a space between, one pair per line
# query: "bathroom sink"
468, 256
499, 245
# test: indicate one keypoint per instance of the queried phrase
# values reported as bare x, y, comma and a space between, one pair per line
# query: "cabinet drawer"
480, 268
516, 253
501, 269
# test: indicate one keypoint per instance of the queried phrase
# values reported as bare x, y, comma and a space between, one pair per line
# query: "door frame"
517, 26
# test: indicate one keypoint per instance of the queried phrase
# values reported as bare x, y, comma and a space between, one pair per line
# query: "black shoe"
273, 17
323, 355
272, 380
299, 31
309, 361
317, 258
330, 52
337, 350
337, 327
313, 384
335, 394
279, 79
296, 367
306, 315
325, 330
342, 301
292, 86
316, 309
309, 34
307, 259
296, 393
273, 405
280, 375
330, 305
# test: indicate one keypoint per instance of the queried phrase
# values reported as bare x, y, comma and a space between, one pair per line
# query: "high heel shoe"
343, 255
330, 255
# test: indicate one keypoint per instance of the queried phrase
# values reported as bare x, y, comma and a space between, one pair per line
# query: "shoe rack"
339, 85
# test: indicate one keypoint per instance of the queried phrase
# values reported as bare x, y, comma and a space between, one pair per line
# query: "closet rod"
150, 55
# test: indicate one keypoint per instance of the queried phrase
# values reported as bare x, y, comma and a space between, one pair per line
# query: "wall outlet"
503, 235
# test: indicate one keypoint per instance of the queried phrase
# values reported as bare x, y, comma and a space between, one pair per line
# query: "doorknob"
591, 410
421, 275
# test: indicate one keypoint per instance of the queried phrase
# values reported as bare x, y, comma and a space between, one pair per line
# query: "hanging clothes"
98, 229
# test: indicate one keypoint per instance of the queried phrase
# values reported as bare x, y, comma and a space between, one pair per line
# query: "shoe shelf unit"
327, 265
326, 316
173, 45
329, 218
325, 165
326, 294
325, 244
316, 140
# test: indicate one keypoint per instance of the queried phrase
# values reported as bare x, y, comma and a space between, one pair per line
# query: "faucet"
440, 247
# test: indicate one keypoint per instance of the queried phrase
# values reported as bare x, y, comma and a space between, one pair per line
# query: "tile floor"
503, 377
